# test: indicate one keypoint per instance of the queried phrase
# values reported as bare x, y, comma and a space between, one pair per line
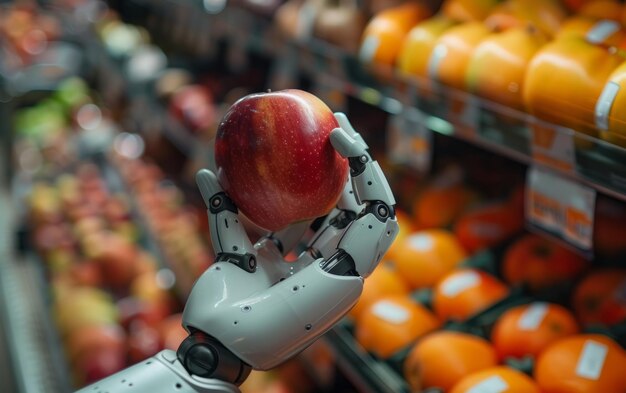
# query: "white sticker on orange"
438, 54
532, 317
421, 242
459, 283
604, 105
369, 47
591, 360
391, 312
601, 31
493, 384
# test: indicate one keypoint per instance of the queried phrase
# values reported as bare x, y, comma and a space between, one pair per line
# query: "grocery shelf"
37, 363
366, 373
147, 238
441, 109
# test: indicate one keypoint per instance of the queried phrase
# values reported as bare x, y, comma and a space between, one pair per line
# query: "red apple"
143, 341
95, 338
275, 160
600, 297
86, 273
116, 257
98, 365
172, 332
132, 310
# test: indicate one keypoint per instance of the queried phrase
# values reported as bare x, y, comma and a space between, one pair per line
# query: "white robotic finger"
228, 235
346, 145
344, 123
208, 185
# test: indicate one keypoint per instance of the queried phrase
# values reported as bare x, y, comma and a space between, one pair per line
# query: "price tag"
562, 207
330, 91
553, 146
464, 114
409, 142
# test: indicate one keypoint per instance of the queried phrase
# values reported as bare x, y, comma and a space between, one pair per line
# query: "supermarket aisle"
6, 365
6, 371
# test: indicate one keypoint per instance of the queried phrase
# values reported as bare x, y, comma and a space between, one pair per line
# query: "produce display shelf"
147, 238
367, 374
37, 361
440, 109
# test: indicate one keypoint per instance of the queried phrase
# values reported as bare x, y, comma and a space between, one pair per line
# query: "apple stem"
269, 90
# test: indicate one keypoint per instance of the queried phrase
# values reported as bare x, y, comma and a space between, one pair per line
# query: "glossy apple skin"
275, 160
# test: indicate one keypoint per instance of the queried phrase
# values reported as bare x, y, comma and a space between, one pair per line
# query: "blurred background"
501, 126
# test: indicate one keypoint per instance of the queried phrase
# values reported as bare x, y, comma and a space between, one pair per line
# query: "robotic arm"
252, 309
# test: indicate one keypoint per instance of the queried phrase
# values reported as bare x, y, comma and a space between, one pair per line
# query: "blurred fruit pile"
26, 32
466, 298
174, 224
560, 61
112, 303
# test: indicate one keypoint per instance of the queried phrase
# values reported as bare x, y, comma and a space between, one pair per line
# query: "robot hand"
251, 308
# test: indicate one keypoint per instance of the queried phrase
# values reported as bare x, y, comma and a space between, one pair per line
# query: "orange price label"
578, 225
545, 209
409, 141
561, 207
553, 146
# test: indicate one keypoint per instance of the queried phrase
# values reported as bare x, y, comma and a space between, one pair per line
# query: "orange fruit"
606, 32
564, 81
613, 130
453, 50
583, 363
405, 227
441, 359
575, 5
467, 10
392, 323
600, 298
488, 225
497, 379
385, 32
510, 52
426, 256
465, 292
602, 9
419, 43
384, 281
540, 263
545, 16
442, 200
609, 232
528, 329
